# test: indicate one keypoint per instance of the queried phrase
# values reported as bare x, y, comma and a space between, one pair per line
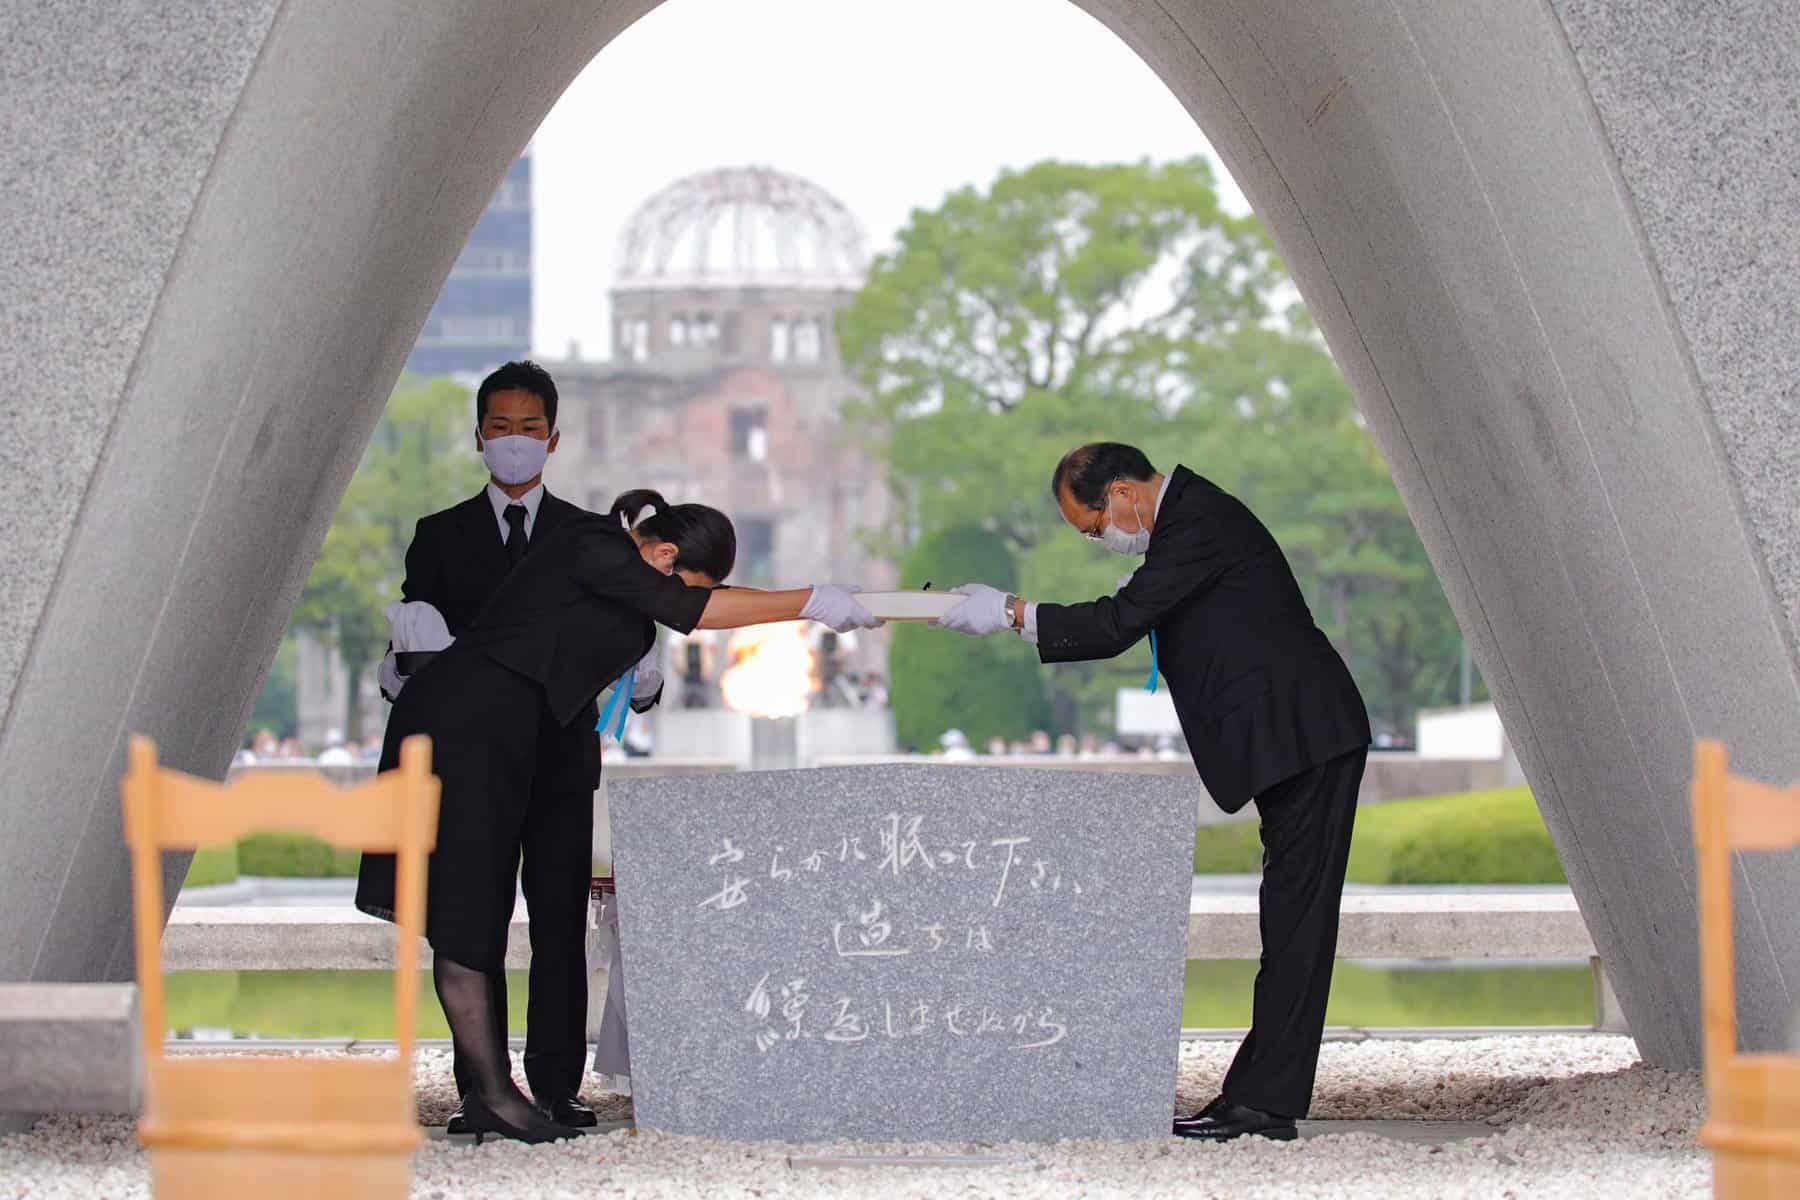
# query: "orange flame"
772, 670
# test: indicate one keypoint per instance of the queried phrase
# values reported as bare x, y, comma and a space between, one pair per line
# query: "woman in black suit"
574, 615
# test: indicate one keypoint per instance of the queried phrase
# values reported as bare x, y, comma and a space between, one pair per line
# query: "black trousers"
515, 785
553, 861
1306, 825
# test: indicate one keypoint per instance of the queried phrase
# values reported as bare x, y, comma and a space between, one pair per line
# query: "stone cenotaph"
904, 952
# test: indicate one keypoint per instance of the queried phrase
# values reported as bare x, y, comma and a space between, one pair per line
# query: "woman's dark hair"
523, 375
703, 537
1087, 471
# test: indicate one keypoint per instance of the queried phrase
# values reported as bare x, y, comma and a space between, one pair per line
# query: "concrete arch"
1553, 244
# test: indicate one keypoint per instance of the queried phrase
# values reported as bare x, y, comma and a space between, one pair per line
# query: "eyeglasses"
1094, 534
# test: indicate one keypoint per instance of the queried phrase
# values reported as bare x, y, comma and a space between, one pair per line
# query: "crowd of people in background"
266, 748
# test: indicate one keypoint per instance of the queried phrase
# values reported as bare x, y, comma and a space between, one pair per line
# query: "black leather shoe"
1205, 1114
571, 1113
1231, 1121
482, 1121
458, 1123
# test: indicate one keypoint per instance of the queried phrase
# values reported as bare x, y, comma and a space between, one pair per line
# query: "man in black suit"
1269, 711
457, 560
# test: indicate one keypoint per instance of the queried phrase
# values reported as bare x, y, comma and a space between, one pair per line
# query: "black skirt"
483, 722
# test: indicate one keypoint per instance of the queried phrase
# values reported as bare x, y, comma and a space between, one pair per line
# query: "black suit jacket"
456, 562
579, 612
457, 558
1261, 693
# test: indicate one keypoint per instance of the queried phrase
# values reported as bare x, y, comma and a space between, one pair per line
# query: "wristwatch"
1012, 615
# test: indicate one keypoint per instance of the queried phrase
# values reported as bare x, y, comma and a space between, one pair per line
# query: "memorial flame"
772, 670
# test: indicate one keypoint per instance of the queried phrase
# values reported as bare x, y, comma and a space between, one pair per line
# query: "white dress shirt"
500, 500
1030, 630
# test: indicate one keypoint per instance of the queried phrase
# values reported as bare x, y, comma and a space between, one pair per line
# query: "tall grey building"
482, 315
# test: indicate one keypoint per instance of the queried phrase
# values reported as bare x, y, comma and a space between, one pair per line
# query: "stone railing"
1515, 926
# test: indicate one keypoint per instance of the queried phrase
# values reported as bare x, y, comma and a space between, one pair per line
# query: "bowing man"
568, 621
457, 560
1270, 714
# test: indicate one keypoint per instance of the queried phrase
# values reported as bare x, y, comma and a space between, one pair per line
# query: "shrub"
212, 865
1227, 849
1479, 837
1470, 837
296, 856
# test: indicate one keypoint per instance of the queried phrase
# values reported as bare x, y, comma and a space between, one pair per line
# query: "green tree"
277, 705
417, 461
1011, 324
1275, 423
940, 680
1073, 303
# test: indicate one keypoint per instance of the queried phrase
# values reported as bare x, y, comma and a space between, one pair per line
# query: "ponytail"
703, 537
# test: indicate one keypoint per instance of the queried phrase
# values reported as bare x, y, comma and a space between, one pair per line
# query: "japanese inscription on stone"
904, 952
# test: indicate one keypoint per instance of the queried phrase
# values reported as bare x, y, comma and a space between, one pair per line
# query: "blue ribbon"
621, 700
1150, 683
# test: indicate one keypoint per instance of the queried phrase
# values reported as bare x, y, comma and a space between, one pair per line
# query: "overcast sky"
888, 104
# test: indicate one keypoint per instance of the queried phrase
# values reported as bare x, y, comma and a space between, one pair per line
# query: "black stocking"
481, 1043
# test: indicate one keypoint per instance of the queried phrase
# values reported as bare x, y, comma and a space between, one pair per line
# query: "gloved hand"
647, 684
835, 606
983, 612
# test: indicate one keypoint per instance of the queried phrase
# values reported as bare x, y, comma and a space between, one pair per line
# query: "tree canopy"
1069, 303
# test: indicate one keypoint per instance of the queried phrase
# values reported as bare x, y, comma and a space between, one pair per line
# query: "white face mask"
1120, 542
516, 458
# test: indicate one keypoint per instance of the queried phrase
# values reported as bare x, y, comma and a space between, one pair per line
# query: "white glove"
835, 606
417, 625
387, 676
983, 612
413, 625
646, 683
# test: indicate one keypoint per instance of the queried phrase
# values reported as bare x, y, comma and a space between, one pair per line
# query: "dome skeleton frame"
742, 227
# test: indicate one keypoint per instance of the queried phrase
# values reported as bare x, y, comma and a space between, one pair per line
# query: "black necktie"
515, 534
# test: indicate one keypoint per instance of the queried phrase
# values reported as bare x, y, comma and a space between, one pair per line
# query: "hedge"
287, 855
1470, 837
213, 864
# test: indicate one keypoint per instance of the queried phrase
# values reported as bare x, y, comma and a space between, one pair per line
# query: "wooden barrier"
281, 1125
1753, 1100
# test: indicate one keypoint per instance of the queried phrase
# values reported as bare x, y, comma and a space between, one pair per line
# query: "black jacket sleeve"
609, 565
424, 580
1185, 558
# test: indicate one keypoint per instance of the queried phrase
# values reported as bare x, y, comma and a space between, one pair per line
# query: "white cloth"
412, 625
416, 625
1030, 630
612, 1046
648, 681
500, 500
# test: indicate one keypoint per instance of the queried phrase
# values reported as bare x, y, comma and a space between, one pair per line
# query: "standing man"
1269, 711
457, 560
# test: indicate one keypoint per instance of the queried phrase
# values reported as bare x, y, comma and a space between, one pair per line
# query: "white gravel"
1573, 1116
